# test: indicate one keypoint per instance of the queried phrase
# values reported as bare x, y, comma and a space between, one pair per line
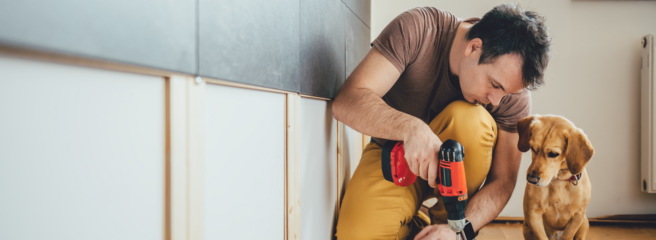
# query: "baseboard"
642, 219
508, 219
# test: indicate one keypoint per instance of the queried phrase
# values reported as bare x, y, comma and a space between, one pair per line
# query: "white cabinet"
98, 154
82, 153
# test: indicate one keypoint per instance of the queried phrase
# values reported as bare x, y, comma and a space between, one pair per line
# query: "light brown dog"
554, 200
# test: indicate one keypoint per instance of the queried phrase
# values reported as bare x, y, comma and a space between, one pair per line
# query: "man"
430, 77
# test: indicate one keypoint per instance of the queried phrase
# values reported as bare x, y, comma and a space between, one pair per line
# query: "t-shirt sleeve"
511, 109
399, 42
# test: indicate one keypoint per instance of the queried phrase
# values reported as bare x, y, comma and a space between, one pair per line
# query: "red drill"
451, 181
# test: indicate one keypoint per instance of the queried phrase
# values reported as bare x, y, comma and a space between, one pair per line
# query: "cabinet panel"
244, 187
318, 169
352, 152
82, 153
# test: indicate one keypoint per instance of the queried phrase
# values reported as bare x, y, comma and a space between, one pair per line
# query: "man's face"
488, 83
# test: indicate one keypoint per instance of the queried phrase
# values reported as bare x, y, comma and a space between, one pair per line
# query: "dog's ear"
524, 130
579, 150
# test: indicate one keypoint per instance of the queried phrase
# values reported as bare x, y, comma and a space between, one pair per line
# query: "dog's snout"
532, 179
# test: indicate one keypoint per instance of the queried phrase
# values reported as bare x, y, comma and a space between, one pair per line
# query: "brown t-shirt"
418, 43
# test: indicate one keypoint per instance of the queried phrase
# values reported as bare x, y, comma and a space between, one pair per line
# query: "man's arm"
486, 205
359, 104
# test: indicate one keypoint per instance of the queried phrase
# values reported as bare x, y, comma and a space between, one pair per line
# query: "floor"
508, 231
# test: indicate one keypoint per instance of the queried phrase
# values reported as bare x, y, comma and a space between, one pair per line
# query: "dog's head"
559, 148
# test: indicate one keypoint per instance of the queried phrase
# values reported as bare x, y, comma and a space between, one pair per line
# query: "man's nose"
495, 98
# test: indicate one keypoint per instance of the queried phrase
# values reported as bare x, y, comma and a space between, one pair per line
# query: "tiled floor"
508, 231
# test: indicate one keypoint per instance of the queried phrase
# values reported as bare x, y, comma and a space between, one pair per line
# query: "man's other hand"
421, 146
436, 232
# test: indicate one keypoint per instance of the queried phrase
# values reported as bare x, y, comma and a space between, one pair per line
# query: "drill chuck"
457, 225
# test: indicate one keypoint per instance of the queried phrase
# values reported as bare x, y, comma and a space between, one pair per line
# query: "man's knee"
466, 121
463, 110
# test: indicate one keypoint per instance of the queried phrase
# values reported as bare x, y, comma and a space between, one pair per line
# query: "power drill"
451, 181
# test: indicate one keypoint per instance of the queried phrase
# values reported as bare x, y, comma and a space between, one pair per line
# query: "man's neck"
457, 51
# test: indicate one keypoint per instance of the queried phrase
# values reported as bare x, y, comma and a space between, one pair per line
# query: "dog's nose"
532, 179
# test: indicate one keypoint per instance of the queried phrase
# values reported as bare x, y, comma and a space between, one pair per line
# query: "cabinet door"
318, 169
82, 153
244, 165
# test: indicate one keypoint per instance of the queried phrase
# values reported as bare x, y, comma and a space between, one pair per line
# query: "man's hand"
421, 146
436, 232
359, 104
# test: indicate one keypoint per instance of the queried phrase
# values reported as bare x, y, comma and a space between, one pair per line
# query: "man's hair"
508, 28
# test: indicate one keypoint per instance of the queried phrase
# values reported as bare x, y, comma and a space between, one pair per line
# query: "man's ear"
579, 150
524, 131
474, 45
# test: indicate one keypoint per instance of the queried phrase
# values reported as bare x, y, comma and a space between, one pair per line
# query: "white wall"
593, 80
82, 153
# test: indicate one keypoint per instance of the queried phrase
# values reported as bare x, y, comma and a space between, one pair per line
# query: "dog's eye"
533, 149
553, 155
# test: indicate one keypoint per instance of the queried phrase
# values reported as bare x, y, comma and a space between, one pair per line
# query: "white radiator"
647, 119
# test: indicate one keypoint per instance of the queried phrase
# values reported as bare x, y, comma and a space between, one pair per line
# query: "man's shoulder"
428, 13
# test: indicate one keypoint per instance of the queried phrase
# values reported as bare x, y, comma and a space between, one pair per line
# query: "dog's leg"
528, 234
583, 230
534, 227
573, 226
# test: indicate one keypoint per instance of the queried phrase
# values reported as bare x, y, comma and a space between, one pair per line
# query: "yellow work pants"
374, 208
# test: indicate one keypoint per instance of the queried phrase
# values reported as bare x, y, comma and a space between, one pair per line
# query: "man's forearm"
362, 110
488, 202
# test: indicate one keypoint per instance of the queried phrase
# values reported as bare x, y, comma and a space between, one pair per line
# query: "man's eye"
553, 155
494, 86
